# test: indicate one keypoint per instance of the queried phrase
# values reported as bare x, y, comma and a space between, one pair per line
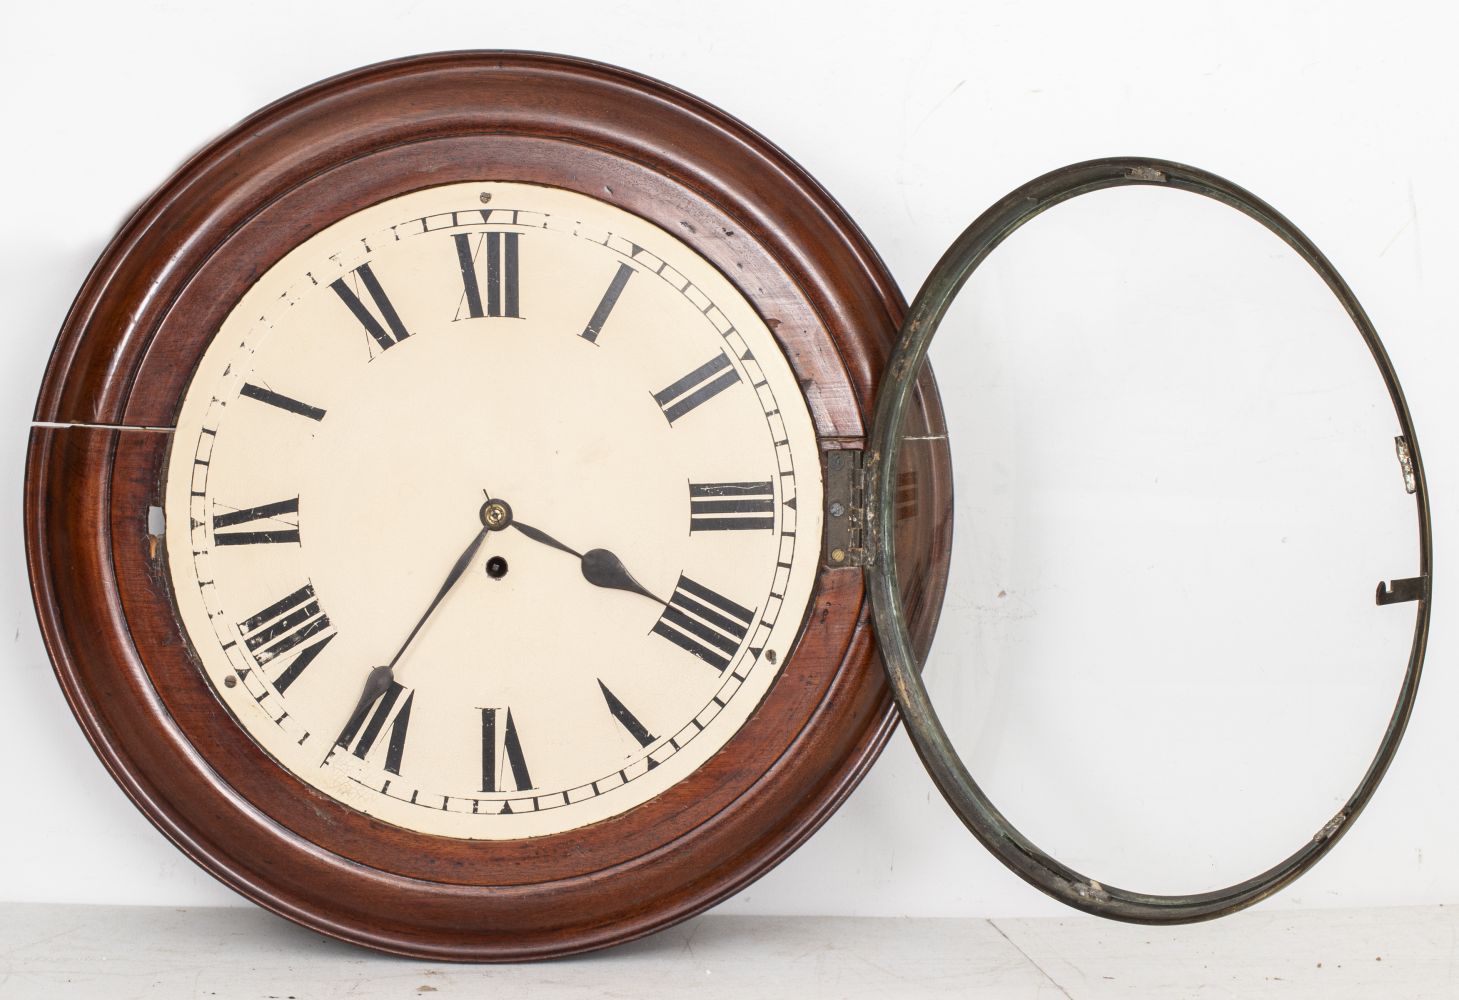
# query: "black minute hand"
451, 579
380, 678
600, 567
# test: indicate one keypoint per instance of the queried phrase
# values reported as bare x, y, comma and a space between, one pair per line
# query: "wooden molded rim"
898, 651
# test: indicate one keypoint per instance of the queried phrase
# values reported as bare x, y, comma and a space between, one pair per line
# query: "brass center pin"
496, 514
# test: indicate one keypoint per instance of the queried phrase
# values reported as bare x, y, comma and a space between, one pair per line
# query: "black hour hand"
601, 567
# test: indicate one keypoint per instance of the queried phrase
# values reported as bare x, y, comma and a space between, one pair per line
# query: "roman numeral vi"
497, 726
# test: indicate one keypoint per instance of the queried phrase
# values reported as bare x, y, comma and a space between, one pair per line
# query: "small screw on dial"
496, 567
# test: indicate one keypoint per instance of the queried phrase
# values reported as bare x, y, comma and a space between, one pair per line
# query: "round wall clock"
457, 518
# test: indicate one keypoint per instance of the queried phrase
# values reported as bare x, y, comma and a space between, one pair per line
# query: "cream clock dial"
491, 511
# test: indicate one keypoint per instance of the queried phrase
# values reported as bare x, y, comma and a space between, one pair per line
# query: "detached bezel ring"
903, 667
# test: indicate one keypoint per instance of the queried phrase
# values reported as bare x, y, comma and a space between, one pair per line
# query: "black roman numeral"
291, 673
705, 624
699, 386
386, 338
283, 402
502, 274
285, 626
629, 721
372, 719
492, 721
731, 506
283, 530
605, 306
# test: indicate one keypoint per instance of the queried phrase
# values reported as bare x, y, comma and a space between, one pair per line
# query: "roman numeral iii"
698, 387
704, 623
502, 284
388, 330
497, 727
731, 506
363, 731
270, 523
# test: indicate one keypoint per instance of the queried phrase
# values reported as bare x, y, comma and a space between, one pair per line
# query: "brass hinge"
845, 508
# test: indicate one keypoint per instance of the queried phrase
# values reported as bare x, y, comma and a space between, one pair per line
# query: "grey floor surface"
161, 954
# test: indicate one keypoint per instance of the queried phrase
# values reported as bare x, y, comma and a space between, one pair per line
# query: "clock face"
548, 363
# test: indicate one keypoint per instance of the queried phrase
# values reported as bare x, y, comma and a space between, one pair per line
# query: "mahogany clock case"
110, 401
111, 395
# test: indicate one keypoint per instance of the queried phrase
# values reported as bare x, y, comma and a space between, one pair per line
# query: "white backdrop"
1102, 626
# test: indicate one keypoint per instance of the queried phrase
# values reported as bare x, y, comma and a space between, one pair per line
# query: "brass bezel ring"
903, 666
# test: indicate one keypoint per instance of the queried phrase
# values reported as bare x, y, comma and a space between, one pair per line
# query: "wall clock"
460, 499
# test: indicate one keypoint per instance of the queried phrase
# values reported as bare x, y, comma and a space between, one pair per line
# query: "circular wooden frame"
111, 395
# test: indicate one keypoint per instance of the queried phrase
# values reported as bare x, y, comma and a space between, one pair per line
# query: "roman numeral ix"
698, 387
392, 331
503, 297
266, 524
704, 623
731, 506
